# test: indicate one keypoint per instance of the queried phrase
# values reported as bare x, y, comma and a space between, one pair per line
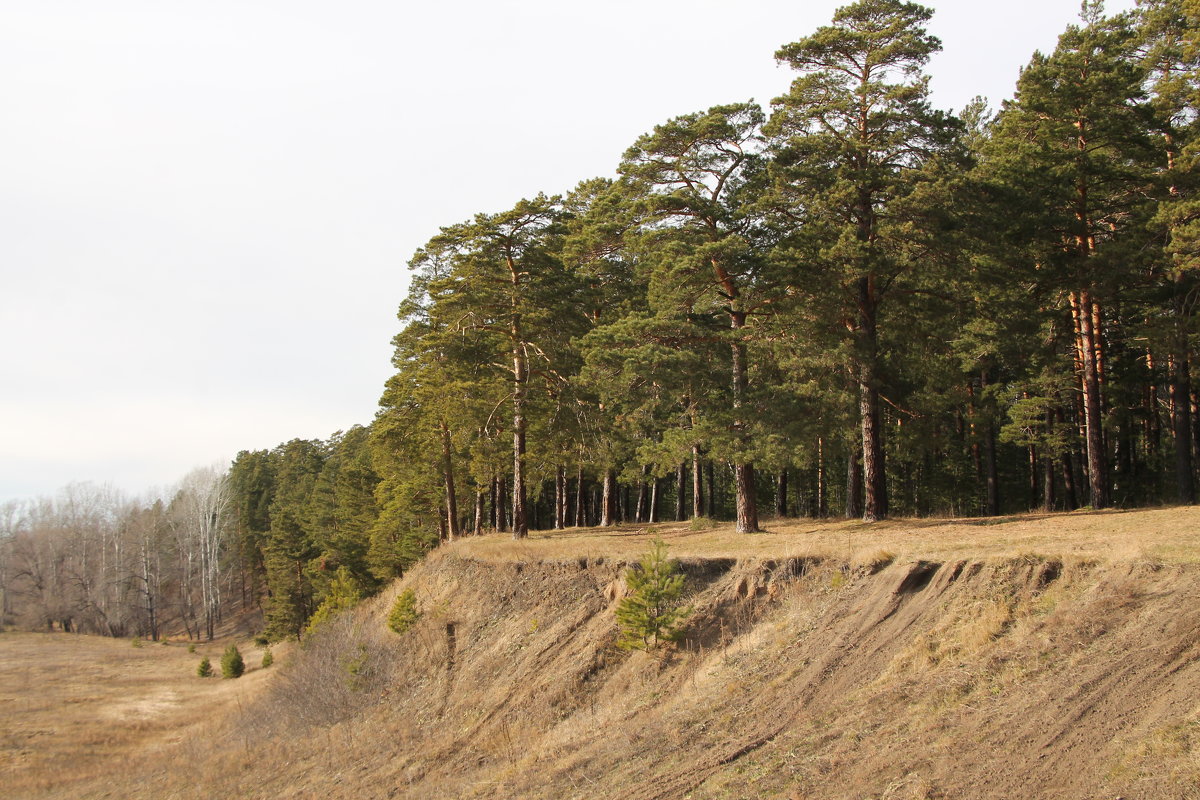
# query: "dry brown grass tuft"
872, 560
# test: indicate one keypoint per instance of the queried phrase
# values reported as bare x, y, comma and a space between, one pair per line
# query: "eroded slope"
802, 677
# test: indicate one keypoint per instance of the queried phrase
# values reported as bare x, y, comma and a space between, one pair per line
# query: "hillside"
1053, 656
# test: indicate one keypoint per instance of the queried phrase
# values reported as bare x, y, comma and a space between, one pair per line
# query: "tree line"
91, 560
847, 303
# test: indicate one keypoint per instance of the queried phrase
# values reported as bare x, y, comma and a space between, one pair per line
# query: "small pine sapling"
232, 665
650, 613
343, 593
205, 668
404, 613
268, 658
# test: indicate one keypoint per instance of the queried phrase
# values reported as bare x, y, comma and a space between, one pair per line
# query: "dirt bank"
803, 676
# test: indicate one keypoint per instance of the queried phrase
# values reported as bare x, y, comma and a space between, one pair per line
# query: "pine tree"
343, 593
404, 613
498, 283
650, 613
1076, 143
232, 665
290, 547
852, 138
693, 182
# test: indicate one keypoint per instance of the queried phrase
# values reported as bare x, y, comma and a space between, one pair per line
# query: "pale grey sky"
206, 208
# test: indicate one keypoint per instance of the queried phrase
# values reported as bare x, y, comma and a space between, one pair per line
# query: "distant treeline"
93, 561
850, 303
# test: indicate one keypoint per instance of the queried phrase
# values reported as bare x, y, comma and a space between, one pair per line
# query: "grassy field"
1169, 535
75, 708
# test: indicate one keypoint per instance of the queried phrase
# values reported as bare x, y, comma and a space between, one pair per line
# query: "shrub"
191, 647
137, 641
404, 612
261, 640
343, 593
205, 668
232, 665
268, 658
650, 613
356, 668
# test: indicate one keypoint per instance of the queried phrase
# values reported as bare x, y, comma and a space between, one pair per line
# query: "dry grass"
825, 659
76, 708
1168, 535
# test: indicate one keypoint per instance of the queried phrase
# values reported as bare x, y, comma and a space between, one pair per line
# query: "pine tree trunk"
1194, 409
1093, 415
680, 488
640, 514
520, 372
1071, 495
1180, 391
452, 530
822, 509
608, 505
854, 483
874, 479
745, 500
520, 520
655, 494
502, 516
1181, 429
781, 494
697, 483
1049, 501
875, 495
747, 507
479, 513
580, 498
711, 495
990, 473
1032, 460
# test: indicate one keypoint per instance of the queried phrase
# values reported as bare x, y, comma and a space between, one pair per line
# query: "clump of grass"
987, 626
873, 561
702, 524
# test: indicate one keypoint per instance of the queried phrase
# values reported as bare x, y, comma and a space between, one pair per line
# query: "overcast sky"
206, 209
